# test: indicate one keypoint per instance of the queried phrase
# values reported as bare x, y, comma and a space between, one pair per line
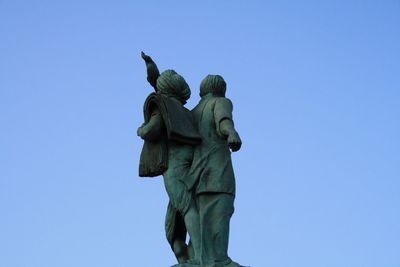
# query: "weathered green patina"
192, 150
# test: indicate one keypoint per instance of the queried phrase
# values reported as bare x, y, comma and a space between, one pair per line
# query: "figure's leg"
176, 233
192, 222
190, 250
222, 212
215, 211
180, 250
182, 201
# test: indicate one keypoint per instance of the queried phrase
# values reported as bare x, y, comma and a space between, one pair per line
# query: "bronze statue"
192, 152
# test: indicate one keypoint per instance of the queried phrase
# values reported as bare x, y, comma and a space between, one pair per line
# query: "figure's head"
214, 84
174, 85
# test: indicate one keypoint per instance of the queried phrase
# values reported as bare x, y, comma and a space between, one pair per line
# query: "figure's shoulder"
151, 96
150, 105
201, 105
223, 99
212, 102
152, 99
223, 102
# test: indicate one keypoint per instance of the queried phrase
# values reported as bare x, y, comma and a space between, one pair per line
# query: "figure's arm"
233, 138
152, 71
224, 123
152, 130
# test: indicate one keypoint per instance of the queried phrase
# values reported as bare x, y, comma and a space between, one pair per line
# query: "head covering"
172, 84
214, 84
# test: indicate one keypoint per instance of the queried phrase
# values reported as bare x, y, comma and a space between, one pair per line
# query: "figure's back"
216, 175
204, 118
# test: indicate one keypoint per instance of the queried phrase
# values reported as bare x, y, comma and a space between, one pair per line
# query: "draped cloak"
179, 127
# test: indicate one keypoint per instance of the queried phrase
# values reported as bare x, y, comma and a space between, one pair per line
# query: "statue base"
231, 264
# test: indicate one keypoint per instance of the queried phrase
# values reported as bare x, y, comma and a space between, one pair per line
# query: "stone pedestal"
231, 264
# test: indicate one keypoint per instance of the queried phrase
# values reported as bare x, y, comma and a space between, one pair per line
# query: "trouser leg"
192, 222
215, 211
179, 248
176, 233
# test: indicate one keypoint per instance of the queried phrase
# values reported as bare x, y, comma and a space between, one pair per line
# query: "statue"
192, 151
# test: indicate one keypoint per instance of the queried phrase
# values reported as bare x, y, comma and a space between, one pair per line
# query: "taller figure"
170, 137
212, 171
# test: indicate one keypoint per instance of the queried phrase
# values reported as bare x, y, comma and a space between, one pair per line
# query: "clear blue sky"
316, 91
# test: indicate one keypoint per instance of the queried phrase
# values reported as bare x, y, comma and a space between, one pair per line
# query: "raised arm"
152, 71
